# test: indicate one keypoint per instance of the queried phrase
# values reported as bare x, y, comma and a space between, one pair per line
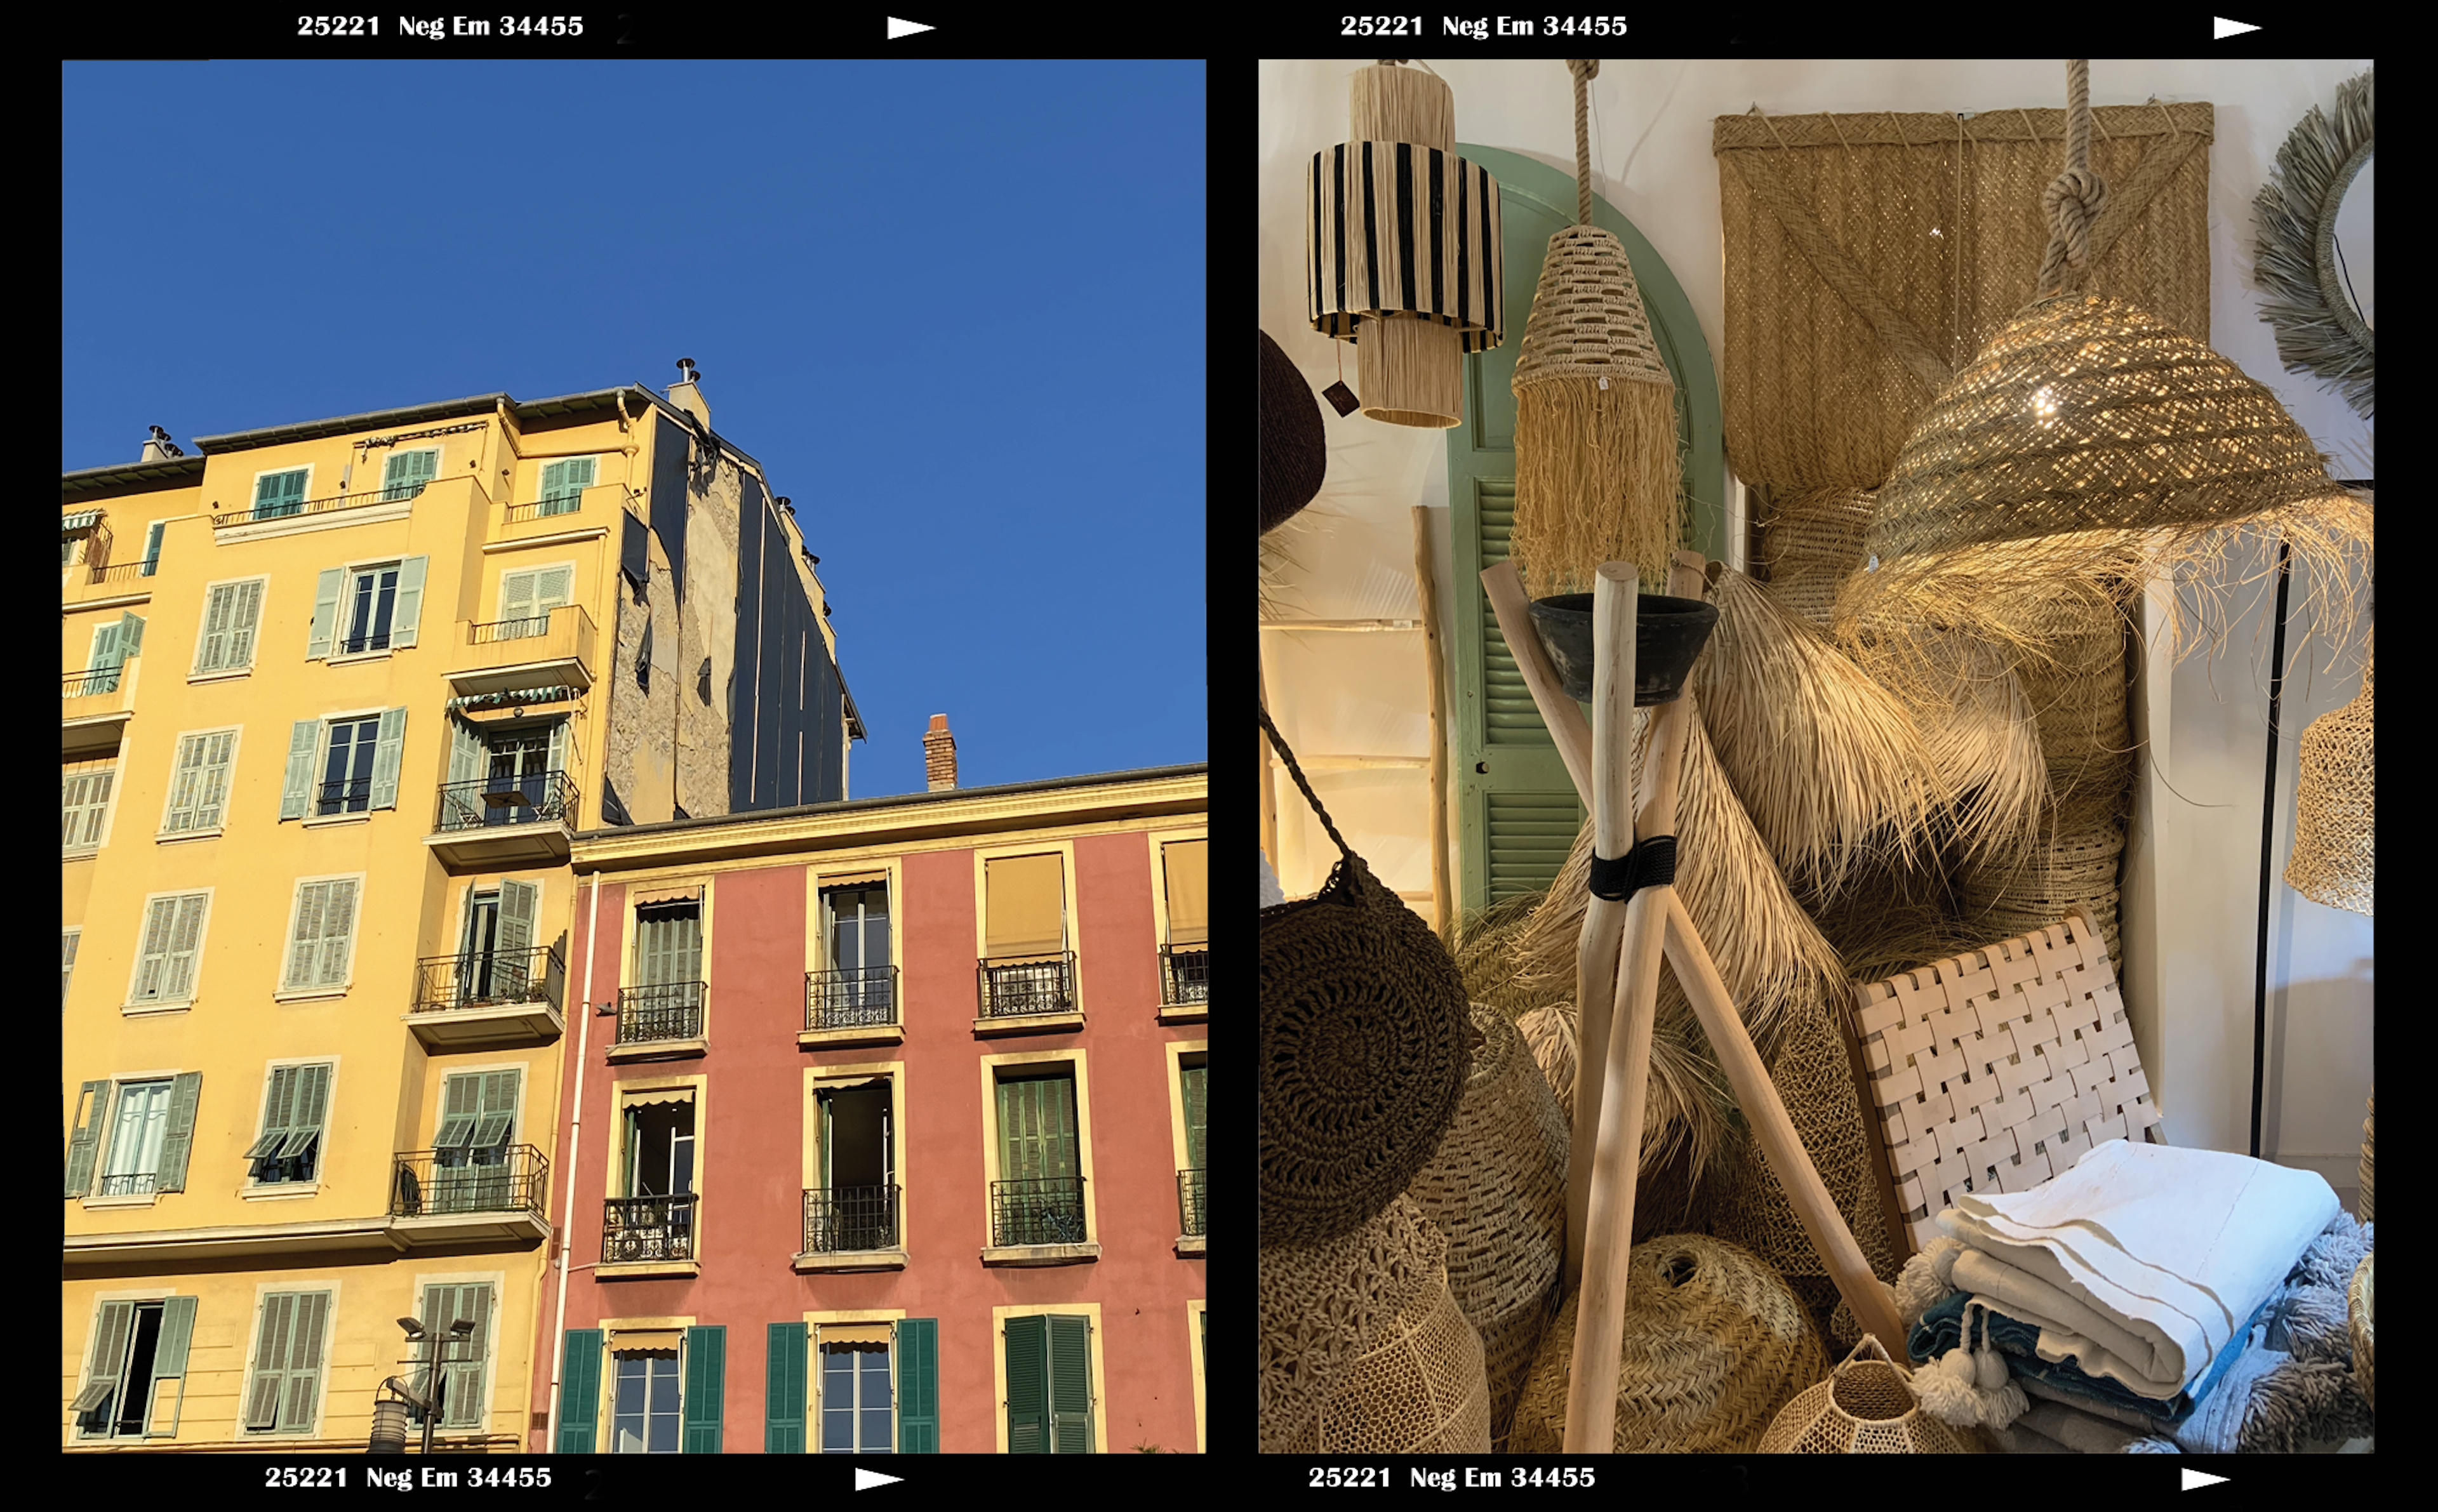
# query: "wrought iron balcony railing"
135, 1184
850, 1217
488, 802
1012, 986
89, 680
1184, 973
851, 997
1190, 1189
347, 794
316, 507
481, 978
469, 1179
121, 571
664, 1010
483, 632
647, 1228
544, 509
1040, 1210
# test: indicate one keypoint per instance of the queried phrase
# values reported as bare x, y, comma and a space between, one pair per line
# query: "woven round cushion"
1295, 448
1319, 1307
1715, 1344
1363, 1046
1864, 1407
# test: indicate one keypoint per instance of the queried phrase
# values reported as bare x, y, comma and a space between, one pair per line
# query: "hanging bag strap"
1355, 867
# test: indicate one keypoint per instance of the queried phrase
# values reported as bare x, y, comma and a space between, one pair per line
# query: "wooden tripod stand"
1616, 967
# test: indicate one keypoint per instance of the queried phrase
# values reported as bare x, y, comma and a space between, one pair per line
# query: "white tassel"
1945, 1395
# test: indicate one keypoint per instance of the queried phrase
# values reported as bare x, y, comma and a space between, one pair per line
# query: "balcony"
852, 1006
1038, 1221
95, 705
658, 1020
254, 513
1184, 983
1027, 993
554, 649
851, 1228
493, 997
470, 1196
496, 822
1192, 1189
649, 1237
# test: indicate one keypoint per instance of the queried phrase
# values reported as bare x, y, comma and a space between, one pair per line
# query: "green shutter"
705, 1372
782, 1426
212, 647
130, 635
554, 588
243, 619
404, 473
278, 1107
918, 1386
98, 1402
1070, 1384
153, 955
200, 781
669, 949
516, 597
461, 1108
467, 757
389, 753
338, 932
217, 751
185, 945
1028, 1385
1191, 1077
409, 605
312, 1100
103, 663
170, 1361
85, 802
296, 787
512, 958
462, 1375
152, 546
305, 937
580, 1391
271, 1345
326, 613
1036, 1128
304, 1382
558, 746
180, 1137
84, 1136
278, 494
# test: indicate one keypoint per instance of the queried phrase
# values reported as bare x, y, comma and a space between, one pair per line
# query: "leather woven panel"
1995, 1069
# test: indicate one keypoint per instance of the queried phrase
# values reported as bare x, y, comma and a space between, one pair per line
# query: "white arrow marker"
2192, 1478
2221, 29
907, 29
865, 1480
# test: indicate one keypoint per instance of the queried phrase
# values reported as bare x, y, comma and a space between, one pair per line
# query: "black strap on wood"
1650, 863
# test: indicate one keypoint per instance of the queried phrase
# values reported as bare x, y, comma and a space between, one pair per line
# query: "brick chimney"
939, 754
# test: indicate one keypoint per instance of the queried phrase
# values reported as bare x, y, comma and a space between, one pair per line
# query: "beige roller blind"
855, 1332
1027, 896
639, 1099
647, 897
1188, 890
853, 879
622, 1340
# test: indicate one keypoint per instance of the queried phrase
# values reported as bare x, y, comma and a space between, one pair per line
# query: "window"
231, 613
856, 1207
1038, 1198
470, 1155
68, 938
645, 1409
138, 1349
1049, 1361
135, 1139
357, 757
1185, 955
1024, 938
496, 961
858, 988
1193, 1176
105, 656
277, 495
321, 935
404, 473
366, 608
666, 1002
283, 1395
290, 1147
139, 1140
199, 782
463, 1360
84, 805
652, 1216
526, 599
507, 771
171, 944
563, 484
857, 1395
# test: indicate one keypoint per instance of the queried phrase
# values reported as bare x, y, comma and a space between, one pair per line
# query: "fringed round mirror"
2315, 245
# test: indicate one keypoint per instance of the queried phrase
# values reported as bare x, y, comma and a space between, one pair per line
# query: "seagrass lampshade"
2333, 809
1402, 245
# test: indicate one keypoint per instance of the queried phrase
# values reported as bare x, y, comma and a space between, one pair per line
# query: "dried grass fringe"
1598, 478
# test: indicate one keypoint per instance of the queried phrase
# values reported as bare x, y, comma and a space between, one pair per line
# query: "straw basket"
1320, 1307
1419, 1389
2357, 1317
2075, 871
2333, 811
1810, 539
1864, 1407
1496, 1187
1714, 1345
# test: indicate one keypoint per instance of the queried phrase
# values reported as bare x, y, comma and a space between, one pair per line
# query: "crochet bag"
1364, 1048
1864, 1407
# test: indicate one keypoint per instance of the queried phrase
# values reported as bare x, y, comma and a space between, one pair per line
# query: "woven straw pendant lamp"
2333, 811
1596, 471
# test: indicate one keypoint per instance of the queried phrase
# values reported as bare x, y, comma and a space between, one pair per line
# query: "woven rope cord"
2074, 198
1584, 70
1305, 785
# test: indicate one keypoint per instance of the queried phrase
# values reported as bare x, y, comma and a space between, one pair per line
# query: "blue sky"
954, 308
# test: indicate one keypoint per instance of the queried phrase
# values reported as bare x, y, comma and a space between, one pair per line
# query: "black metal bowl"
1667, 635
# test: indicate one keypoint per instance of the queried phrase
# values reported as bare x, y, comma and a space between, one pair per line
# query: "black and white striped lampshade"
1396, 227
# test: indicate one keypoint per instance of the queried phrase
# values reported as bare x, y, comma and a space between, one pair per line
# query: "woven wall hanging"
1402, 248
1362, 1046
2334, 812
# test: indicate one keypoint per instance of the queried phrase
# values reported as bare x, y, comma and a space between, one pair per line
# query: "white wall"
2192, 866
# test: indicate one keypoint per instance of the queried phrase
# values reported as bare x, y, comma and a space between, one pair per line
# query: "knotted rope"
1584, 70
2074, 198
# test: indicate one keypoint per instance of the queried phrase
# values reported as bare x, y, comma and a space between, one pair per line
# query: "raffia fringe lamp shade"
1401, 240
2332, 820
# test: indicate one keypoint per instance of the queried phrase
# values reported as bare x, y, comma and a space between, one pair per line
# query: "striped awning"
636, 1341
512, 697
76, 523
649, 896
644, 1100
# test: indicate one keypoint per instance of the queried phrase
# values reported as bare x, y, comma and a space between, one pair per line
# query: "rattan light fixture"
2333, 810
1401, 246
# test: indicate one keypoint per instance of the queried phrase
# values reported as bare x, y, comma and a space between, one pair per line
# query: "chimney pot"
939, 754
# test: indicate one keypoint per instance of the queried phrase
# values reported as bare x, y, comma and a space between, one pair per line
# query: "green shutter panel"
152, 957
84, 800
464, 1407
263, 1394
1028, 1385
85, 1138
217, 751
338, 932
466, 754
553, 486
516, 597
461, 1107
170, 1361
580, 1391
305, 1361
512, 960
186, 943
180, 1137
295, 789
1070, 1384
243, 619
103, 663
1192, 1077
278, 1107
558, 746
782, 1426
705, 1372
212, 647
130, 635
186, 771
98, 1402
918, 1386
304, 939
152, 546
410, 602
389, 753
326, 613
312, 1100
1037, 1123
554, 588
404, 473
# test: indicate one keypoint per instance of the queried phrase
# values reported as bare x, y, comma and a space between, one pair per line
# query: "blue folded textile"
1941, 1329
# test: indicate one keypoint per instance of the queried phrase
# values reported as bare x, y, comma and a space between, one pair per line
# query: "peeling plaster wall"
709, 630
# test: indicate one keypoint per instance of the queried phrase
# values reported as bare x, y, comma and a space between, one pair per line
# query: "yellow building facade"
335, 697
